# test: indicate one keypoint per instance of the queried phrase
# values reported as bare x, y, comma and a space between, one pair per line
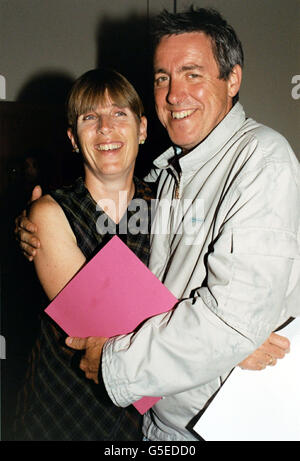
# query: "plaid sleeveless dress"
57, 402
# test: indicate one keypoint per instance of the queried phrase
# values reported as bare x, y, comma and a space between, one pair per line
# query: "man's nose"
176, 92
104, 124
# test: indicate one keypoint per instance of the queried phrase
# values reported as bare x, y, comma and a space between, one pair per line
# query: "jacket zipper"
177, 188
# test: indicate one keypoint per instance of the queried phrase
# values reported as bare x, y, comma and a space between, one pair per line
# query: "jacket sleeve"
252, 270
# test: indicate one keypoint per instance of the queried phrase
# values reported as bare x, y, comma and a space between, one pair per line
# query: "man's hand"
91, 360
268, 353
25, 229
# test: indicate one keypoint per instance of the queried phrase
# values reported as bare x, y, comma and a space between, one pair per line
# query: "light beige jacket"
232, 259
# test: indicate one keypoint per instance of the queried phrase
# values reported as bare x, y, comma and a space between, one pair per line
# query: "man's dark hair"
226, 46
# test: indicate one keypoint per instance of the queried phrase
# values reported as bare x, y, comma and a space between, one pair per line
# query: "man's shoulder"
267, 144
266, 135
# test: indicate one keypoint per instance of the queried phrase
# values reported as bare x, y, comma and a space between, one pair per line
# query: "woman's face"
109, 138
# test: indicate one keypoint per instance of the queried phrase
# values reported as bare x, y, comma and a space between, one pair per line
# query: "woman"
106, 125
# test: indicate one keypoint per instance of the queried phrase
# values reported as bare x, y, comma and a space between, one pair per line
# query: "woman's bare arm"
59, 257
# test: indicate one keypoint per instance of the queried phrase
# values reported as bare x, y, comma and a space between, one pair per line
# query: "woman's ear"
72, 138
143, 129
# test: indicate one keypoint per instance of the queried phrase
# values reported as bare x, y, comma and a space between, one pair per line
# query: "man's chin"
183, 143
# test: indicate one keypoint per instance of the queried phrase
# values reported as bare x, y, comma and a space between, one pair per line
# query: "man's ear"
234, 80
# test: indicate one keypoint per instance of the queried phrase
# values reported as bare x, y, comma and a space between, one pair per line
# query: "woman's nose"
104, 125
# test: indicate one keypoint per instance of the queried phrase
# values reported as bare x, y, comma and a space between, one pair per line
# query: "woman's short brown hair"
93, 87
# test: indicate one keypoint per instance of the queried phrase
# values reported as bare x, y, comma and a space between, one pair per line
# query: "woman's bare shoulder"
50, 219
45, 207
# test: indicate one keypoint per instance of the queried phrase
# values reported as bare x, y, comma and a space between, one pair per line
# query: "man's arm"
273, 349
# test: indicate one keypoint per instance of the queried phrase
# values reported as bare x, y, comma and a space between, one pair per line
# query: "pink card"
111, 295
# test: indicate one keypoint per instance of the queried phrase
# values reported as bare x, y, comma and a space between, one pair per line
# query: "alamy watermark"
2, 87
2, 347
161, 217
296, 89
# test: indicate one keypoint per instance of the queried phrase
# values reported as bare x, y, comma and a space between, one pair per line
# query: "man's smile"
178, 115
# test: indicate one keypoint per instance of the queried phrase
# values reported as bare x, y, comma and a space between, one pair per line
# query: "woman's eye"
89, 117
120, 113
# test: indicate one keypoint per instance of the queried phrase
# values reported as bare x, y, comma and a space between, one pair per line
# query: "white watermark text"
296, 89
2, 347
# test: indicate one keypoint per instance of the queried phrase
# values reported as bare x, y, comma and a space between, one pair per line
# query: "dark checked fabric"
58, 403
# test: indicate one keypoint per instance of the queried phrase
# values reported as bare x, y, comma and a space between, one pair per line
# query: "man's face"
190, 98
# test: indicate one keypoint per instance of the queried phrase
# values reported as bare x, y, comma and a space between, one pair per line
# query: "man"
230, 256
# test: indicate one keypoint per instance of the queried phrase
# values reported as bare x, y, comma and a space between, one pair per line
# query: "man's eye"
120, 113
159, 81
193, 76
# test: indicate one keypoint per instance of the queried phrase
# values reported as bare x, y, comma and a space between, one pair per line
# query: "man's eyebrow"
160, 71
183, 68
190, 67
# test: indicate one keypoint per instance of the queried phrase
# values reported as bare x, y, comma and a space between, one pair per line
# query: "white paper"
258, 405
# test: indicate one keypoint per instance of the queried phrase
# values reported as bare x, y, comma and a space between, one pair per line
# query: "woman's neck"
113, 195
